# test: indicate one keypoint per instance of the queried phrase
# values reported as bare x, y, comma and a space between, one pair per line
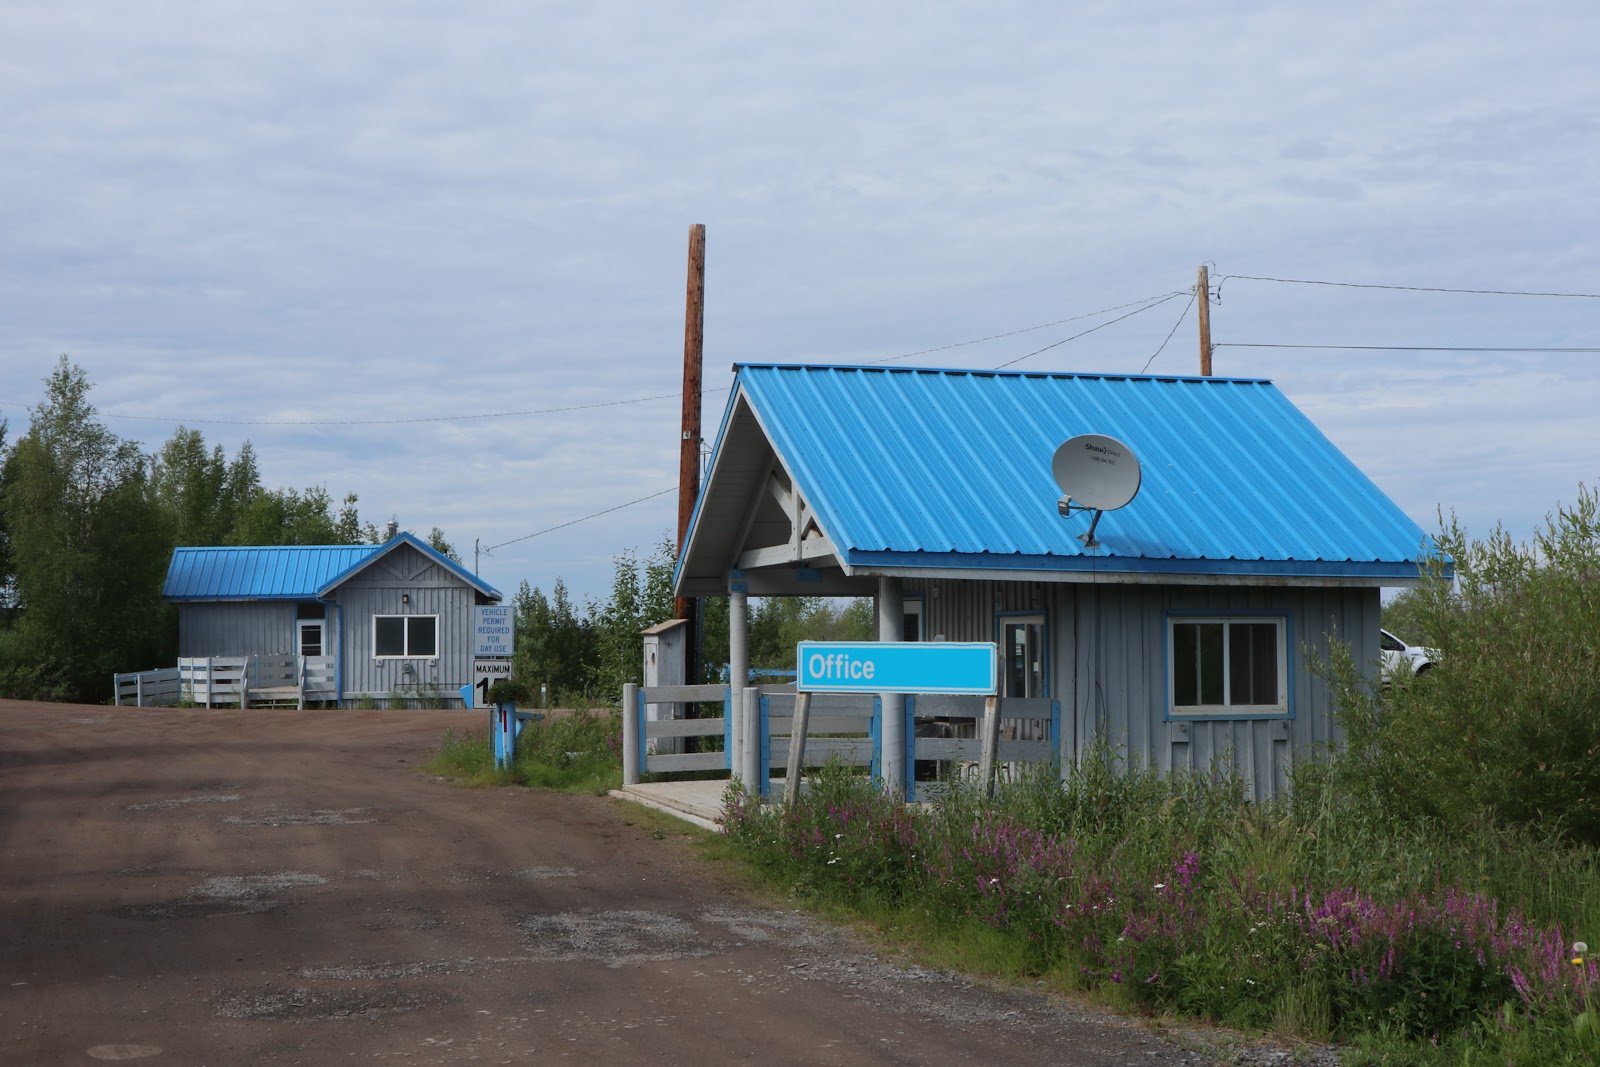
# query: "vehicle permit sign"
963, 667
492, 630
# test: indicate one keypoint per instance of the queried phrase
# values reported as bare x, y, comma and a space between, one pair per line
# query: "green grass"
577, 753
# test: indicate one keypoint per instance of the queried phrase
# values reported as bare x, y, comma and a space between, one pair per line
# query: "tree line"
88, 522
585, 655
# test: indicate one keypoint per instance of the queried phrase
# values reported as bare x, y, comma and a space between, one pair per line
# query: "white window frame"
408, 653
1281, 708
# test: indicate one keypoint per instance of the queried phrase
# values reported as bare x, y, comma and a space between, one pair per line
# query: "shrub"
1506, 724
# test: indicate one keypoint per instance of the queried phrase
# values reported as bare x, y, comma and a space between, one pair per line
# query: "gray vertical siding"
1120, 692
1107, 665
258, 628
377, 590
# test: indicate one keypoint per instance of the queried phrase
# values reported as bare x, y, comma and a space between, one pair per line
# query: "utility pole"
694, 323
1203, 294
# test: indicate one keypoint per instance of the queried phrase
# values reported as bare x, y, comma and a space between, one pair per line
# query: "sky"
312, 226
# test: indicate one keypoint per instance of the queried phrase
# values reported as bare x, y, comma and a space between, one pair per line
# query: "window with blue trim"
1222, 665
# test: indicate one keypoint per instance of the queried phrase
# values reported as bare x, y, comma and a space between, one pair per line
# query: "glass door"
1022, 655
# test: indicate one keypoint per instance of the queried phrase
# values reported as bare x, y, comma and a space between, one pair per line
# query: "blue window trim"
1226, 613
999, 640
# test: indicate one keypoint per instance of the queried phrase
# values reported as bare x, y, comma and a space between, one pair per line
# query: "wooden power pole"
1203, 294
694, 323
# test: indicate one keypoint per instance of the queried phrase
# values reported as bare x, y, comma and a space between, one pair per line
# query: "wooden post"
989, 754
694, 323
630, 734
797, 749
1202, 293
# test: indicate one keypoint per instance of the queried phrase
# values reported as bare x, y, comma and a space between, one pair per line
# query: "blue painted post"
727, 728
505, 737
908, 774
875, 733
1055, 736
766, 746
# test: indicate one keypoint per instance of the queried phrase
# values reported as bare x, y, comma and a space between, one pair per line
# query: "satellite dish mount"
1096, 473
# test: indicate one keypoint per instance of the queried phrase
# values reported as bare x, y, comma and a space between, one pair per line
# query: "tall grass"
577, 753
1319, 918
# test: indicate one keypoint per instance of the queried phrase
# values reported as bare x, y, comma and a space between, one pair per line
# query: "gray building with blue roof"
1186, 635
392, 619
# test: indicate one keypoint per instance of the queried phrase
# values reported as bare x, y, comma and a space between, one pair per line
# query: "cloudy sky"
350, 214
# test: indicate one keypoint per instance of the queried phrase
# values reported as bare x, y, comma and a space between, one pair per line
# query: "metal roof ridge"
991, 372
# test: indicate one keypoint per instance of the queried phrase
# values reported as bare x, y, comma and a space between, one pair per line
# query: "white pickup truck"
1399, 657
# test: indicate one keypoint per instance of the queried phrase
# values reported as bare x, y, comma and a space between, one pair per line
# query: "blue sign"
968, 667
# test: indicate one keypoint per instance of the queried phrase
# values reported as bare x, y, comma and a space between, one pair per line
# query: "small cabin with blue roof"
1185, 635
391, 619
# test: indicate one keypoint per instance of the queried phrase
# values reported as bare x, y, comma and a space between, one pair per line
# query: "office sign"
965, 667
491, 630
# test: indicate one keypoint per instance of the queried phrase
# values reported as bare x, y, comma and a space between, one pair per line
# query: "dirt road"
218, 887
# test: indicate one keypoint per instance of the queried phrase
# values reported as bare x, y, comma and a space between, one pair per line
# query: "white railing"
232, 680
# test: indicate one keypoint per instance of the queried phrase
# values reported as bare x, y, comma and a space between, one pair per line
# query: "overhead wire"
378, 422
1092, 329
1406, 348
1402, 288
586, 518
1025, 329
1183, 315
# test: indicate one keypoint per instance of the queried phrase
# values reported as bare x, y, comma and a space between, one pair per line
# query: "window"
1227, 665
311, 638
405, 635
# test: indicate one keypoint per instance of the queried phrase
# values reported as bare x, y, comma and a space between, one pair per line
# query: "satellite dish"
1097, 473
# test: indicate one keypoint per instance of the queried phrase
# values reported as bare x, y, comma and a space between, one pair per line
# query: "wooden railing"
757, 722
232, 680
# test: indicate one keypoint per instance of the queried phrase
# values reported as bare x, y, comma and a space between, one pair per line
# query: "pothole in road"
320, 817
122, 1052
615, 938
228, 895
318, 1005
541, 874
178, 802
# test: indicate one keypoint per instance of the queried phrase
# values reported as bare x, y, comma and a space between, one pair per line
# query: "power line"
1402, 288
1405, 348
1092, 329
377, 422
586, 518
1026, 329
1181, 317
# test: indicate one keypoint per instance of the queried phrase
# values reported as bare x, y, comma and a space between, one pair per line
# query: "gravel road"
263, 887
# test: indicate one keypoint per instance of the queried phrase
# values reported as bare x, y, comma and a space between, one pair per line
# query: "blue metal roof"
285, 572
951, 469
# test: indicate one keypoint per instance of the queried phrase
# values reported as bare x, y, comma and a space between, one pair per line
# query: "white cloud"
389, 209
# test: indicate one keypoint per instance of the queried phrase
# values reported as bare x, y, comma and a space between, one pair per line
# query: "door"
1022, 654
